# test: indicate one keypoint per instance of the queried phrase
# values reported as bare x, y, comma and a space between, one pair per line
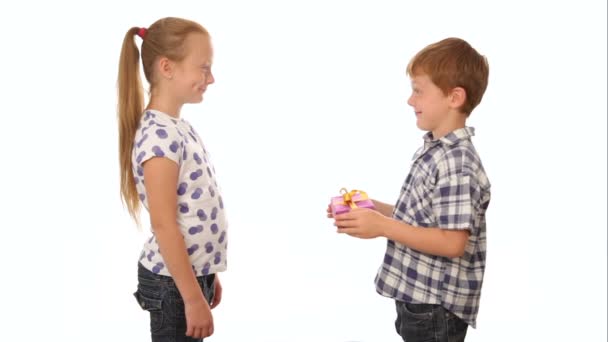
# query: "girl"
165, 167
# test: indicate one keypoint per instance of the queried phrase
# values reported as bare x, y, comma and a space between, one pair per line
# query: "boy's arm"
453, 202
384, 208
366, 223
435, 241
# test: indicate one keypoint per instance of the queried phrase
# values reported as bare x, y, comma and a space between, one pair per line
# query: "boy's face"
430, 104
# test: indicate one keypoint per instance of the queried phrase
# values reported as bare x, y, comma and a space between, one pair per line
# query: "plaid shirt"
446, 188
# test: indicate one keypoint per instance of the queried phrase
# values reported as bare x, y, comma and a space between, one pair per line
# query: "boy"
436, 232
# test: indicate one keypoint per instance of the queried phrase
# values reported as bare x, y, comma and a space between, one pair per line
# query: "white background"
309, 97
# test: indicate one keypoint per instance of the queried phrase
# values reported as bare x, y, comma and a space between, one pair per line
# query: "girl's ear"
166, 68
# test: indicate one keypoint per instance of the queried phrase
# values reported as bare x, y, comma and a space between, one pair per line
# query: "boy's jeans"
428, 323
159, 295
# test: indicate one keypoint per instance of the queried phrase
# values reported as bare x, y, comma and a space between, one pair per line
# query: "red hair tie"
142, 32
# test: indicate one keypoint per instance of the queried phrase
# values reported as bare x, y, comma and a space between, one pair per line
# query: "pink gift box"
348, 200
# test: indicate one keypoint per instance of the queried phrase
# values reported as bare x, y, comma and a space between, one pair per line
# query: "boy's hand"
361, 223
329, 214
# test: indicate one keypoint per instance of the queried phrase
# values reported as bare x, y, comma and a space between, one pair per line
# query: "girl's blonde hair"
164, 38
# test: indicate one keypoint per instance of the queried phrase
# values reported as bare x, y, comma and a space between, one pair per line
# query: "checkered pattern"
447, 188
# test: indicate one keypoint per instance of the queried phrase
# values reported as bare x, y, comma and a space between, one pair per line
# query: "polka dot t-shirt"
200, 209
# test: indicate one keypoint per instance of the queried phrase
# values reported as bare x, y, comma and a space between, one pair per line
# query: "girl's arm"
161, 178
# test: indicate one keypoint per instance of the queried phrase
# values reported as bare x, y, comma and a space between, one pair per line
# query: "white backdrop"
310, 96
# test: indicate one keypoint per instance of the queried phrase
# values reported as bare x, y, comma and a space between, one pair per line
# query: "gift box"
350, 200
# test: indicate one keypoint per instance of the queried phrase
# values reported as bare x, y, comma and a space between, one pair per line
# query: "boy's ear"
457, 97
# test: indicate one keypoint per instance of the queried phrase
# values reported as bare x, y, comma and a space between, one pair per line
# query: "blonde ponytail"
130, 108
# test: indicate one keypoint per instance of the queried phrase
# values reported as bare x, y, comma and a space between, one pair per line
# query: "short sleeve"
454, 202
158, 141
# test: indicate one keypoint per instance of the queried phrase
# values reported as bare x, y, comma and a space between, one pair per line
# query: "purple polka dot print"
141, 141
195, 175
174, 146
158, 267
209, 247
197, 158
158, 151
192, 249
161, 133
201, 214
181, 189
195, 230
197, 193
140, 156
206, 268
183, 208
149, 115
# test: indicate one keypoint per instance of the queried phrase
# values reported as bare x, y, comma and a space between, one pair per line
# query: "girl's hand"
198, 319
217, 298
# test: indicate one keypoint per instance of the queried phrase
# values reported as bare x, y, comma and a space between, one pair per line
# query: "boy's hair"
452, 63
164, 38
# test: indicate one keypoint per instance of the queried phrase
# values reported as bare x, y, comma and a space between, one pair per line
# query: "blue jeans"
159, 295
428, 323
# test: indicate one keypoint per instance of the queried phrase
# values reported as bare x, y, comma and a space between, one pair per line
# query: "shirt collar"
453, 137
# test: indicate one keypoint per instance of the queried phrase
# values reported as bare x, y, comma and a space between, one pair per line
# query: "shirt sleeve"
454, 202
158, 141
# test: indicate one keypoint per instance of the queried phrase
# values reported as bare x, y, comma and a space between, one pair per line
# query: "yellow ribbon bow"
347, 197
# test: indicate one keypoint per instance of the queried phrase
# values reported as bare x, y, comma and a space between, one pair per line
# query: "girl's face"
193, 74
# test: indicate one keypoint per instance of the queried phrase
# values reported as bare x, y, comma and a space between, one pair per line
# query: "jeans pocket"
153, 306
416, 322
207, 284
420, 311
